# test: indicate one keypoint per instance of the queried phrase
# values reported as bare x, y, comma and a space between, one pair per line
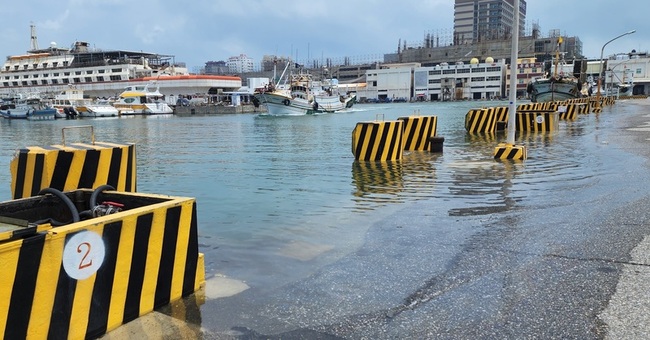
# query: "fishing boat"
29, 107
142, 100
303, 95
556, 86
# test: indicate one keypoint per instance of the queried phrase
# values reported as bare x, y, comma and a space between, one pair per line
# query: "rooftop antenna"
34, 42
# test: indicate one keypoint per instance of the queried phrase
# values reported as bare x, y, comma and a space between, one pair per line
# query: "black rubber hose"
96, 192
65, 199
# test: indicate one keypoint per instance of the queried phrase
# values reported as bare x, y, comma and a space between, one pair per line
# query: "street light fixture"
600, 69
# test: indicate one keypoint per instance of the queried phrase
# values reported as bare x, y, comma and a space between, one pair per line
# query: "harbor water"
281, 197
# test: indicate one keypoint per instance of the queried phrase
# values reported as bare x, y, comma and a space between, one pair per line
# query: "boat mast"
557, 55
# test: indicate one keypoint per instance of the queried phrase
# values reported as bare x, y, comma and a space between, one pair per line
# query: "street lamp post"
600, 68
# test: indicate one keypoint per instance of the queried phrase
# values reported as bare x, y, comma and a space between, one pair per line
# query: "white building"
240, 64
391, 82
460, 81
632, 69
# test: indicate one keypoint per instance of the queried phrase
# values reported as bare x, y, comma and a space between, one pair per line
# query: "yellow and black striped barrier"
537, 121
501, 113
378, 140
417, 130
73, 166
510, 151
567, 111
481, 120
85, 278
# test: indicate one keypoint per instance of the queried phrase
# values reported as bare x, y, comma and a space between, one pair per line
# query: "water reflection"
480, 138
485, 186
378, 183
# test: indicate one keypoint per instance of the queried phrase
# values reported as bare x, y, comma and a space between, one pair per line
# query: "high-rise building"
240, 64
486, 20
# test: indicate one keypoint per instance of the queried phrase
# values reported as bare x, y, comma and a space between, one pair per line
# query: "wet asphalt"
573, 268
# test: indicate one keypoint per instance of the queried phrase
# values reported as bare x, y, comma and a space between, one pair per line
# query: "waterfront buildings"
477, 80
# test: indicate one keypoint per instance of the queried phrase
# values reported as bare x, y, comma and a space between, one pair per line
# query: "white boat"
71, 102
27, 107
557, 86
303, 96
103, 73
142, 100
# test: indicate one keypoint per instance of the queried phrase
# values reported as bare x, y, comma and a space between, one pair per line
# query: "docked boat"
32, 108
103, 73
559, 85
303, 96
142, 100
72, 102
48, 113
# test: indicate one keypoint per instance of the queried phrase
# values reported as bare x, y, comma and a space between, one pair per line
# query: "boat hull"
548, 90
13, 114
45, 114
96, 111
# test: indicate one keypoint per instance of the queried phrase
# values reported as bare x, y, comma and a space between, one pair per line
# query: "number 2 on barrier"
83, 254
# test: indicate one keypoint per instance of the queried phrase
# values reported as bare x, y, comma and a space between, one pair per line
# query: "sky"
198, 31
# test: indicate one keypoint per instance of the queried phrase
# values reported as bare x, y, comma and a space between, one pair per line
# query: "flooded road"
302, 242
542, 265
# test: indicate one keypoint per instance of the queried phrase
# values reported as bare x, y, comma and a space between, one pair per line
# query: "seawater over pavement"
556, 260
